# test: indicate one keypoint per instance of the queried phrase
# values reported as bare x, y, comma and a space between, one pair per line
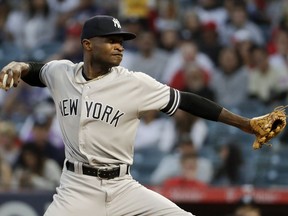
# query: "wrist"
247, 126
24, 68
235, 120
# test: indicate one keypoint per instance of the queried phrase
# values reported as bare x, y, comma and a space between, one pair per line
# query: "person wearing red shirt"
188, 177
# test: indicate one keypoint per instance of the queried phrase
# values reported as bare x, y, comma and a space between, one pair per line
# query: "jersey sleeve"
157, 96
47, 74
174, 101
53, 72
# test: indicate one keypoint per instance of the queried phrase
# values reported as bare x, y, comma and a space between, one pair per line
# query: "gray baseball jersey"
99, 118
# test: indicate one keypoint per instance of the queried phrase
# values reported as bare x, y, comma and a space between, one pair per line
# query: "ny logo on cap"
116, 23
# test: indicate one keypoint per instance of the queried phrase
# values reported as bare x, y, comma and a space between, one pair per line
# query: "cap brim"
124, 35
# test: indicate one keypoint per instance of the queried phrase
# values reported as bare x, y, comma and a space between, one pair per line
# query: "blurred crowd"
234, 52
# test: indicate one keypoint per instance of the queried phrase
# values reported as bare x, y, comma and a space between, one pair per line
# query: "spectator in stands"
40, 25
4, 12
155, 131
191, 53
41, 130
247, 210
45, 110
188, 177
193, 79
190, 128
135, 26
169, 40
229, 172
63, 6
9, 143
35, 171
239, 19
32, 25
70, 49
167, 15
40, 139
195, 127
257, 13
187, 53
18, 105
5, 175
211, 10
228, 5
191, 26
267, 83
210, 43
276, 11
150, 59
68, 11
170, 165
230, 81
242, 42
14, 24
279, 57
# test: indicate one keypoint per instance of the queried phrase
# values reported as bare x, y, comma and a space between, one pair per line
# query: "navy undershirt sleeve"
199, 106
33, 76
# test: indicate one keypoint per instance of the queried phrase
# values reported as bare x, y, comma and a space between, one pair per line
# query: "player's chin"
116, 61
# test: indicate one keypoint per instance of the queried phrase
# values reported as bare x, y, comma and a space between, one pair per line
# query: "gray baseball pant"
85, 195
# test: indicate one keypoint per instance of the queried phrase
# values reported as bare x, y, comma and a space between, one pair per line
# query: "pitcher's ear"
86, 44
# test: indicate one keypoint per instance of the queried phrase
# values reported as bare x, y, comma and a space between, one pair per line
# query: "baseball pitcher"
98, 107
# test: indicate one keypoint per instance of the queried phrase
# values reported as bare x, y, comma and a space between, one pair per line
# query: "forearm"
235, 120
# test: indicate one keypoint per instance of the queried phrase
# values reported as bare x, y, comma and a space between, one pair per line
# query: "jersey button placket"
85, 91
82, 144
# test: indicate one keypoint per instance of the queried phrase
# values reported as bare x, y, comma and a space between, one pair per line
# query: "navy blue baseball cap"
102, 25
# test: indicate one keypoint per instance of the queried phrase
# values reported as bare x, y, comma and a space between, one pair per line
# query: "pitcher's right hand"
10, 75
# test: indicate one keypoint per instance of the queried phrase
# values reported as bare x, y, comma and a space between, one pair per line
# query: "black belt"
103, 172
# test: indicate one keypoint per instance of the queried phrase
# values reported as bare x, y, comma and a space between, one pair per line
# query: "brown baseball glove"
268, 126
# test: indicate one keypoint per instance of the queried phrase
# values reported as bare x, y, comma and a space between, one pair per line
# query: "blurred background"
233, 52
